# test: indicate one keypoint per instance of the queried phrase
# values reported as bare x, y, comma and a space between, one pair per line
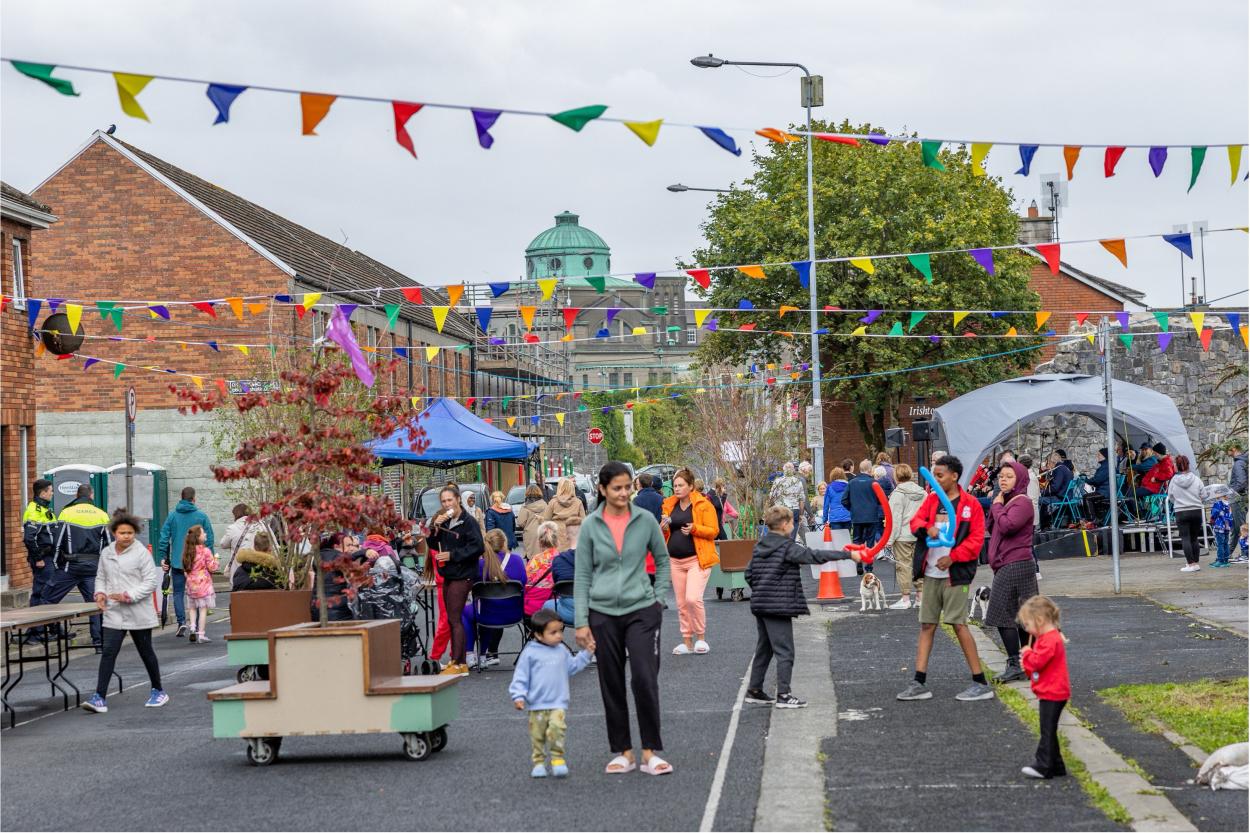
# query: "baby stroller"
392, 596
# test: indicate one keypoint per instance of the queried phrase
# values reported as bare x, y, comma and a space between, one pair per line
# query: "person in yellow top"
82, 537
39, 535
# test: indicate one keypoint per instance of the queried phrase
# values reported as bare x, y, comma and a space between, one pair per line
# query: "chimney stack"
1035, 228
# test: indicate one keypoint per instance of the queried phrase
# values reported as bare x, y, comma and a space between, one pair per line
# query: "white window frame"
19, 276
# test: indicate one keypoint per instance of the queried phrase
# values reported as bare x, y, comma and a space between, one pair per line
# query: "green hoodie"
614, 582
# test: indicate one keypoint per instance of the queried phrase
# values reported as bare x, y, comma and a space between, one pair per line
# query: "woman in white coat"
124, 582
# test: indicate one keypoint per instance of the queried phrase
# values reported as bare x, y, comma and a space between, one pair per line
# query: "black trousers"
639, 633
1189, 524
1048, 760
112, 647
774, 637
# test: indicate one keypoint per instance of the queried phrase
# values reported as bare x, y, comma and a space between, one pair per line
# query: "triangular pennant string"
440, 316
702, 277
979, 150
578, 118
313, 108
1183, 242
74, 313
1197, 319
1158, 157
598, 282
1050, 251
929, 155
1026, 159
722, 139
1205, 338
392, 315
547, 286
1161, 318
1070, 155
43, 72
128, 88
527, 315
985, 257
1234, 163
497, 289
483, 121
756, 272
1110, 159
960, 316
1197, 155
402, 111
453, 293
222, 96
1116, 247
700, 315
916, 318
483, 317
1040, 317
804, 268
236, 306
923, 264
570, 316
648, 131
645, 279
1164, 340
864, 263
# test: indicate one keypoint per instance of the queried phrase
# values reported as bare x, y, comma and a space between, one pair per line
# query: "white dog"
871, 593
980, 602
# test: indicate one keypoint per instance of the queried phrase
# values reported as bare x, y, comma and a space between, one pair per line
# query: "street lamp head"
708, 61
678, 188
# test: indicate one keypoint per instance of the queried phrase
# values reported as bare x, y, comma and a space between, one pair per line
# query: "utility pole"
1105, 326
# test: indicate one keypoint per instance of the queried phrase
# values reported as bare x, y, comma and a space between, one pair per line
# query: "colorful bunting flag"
497, 289
645, 279
236, 306
960, 316
979, 150
579, 117
222, 96
212, 345
1040, 317
570, 316
872, 316
1164, 340
43, 72
402, 352
258, 308
244, 349
310, 300
1161, 318
775, 135
1116, 247
1011, 332
1070, 154
1184, 242
702, 277
1110, 159
929, 154
864, 263
1205, 338
722, 139
598, 282
612, 312
985, 257
1026, 158
33, 305
1050, 251
1234, 320
1234, 163
158, 311
454, 292
205, 307
74, 313
745, 304
896, 329
639, 331
128, 87
1197, 319
404, 110
700, 315
804, 268
859, 331
747, 327
431, 351
923, 265
1127, 340
483, 121
1245, 336
1081, 318
1158, 157
313, 108
511, 421
560, 414
1197, 155
413, 295
756, 272
440, 316
117, 370
483, 317
648, 131
547, 286
781, 312
603, 332
916, 318
527, 315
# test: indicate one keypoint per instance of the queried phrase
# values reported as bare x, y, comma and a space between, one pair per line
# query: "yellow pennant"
756, 272
781, 313
368, 349
559, 396
454, 293
566, 337
560, 414
431, 352
242, 348
527, 315
236, 305
129, 86
74, 313
511, 421
648, 131
1197, 318
1234, 163
639, 331
1042, 316
770, 366
979, 149
547, 285
960, 316
416, 401
440, 316
864, 263
859, 331
257, 309
795, 375
310, 300
700, 315
785, 333
1011, 332
1090, 336
1245, 335
199, 383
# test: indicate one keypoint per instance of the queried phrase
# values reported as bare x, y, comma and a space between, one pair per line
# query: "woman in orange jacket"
688, 520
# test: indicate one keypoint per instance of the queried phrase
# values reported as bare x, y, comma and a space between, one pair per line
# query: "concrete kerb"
1114, 774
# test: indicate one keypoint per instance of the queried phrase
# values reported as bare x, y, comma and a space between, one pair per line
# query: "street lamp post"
812, 86
677, 188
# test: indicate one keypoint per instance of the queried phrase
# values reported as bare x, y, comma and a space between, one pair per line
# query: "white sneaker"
1191, 568
489, 660
470, 659
902, 604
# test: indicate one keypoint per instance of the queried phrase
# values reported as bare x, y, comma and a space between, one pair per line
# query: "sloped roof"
1119, 291
315, 259
22, 197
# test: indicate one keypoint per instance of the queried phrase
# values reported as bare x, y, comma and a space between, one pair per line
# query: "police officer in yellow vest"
39, 535
83, 535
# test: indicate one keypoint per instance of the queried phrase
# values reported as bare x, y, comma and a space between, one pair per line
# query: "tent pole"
1111, 464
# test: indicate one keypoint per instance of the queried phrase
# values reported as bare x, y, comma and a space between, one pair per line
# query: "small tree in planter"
323, 478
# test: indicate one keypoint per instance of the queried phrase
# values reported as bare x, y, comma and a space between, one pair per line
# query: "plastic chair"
1120, 502
562, 588
498, 591
1069, 509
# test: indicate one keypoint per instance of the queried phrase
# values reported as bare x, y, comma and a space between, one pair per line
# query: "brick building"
20, 215
138, 230
1071, 290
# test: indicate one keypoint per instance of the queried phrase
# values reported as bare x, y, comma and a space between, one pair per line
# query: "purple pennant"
1122, 317
935, 339
160, 310
1184, 242
878, 139
88, 363
32, 312
348, 309
1234, 321
496, 341
645, 279
985, 257
340, 332
1026, 158
804, 366
612, 312
712, 324
1158, 157
872, 316
116, 338
53, 303
1164, 340
606, 410
804, 268
483, 121
745, 304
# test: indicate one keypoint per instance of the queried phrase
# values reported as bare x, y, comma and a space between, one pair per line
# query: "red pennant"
404, 110
703, 277
1205, 338
771, 380
221, 386
530, 338
468, 403
629, 406
570, 315
747, 327
65, 356
841, 140
1050, 251
1080, 318
969, 334
299, 310
206, 307
4, 302
1110, 160
412, 295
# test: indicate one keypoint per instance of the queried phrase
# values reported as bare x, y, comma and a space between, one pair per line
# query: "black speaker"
924, 430
894, 438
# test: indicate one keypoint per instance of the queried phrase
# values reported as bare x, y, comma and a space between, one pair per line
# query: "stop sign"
595, 435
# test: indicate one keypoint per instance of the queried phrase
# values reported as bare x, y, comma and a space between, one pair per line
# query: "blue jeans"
563, 606
42, 577
179, 588
80, 574
1222, 542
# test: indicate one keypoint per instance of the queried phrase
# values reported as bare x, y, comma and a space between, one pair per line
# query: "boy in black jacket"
776, 598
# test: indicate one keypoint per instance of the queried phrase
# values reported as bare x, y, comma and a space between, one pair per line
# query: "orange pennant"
1042, 317
236, 306
775, 135
257, 309
314, 107
1070, 153
1116, 247
527, 315
454, 293
781, 313
756, 272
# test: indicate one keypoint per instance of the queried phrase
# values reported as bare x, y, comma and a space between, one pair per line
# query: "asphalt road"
149, 769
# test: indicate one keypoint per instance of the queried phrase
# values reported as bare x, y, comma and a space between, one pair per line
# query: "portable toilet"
151, 493
67, 479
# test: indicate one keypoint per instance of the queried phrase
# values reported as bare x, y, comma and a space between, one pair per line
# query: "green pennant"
104, 308
392, 315
674, 329
273, 351
117, 370
1127, 338
923, 266
1162, 318
897, 329
929, 152
1197, 155
599, 282
117, 318
581, 407
579, 117
43, 72
507, 400
659, 310
916, 318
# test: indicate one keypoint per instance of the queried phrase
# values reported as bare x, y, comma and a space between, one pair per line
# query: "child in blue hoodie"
540, 683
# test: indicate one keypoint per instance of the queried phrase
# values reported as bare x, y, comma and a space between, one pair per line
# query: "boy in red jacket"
947, 573
1045, 660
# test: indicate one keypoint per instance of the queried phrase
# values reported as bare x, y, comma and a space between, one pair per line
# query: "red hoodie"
1156, 480
1046, 663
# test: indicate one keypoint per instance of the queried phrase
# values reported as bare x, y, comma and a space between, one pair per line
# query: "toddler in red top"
1045, 660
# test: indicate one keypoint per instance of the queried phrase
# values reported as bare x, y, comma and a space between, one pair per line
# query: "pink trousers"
689, 583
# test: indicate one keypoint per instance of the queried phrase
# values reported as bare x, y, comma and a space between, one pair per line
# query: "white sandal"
701, 647
625, 765
655, 765
681, 650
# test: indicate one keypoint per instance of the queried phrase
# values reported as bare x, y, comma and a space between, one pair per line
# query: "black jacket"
773, 575
720, 514
861, 500
651, 500
462, 538
337, 609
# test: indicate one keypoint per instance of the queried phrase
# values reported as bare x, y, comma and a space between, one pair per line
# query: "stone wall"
1185, 373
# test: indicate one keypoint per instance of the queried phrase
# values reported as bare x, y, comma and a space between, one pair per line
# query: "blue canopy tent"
456, 437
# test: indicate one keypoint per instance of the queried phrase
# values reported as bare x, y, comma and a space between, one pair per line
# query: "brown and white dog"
871, 593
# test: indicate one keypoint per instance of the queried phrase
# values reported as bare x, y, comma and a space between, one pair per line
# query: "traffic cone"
828, 539
830, 586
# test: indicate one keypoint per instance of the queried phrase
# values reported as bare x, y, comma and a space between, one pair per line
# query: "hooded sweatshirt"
504, 519
904, 501
1185, 490
1011, 523
835, 512
174, 532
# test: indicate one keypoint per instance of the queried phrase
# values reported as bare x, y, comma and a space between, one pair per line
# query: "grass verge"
1207, 713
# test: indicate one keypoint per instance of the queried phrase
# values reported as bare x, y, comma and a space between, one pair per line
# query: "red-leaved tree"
323, 478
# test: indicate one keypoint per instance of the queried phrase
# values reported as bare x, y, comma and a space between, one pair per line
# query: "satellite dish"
56, 335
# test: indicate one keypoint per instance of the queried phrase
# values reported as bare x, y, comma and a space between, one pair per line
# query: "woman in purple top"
497, 564
1011, 559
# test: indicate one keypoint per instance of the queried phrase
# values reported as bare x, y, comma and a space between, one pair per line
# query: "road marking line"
722, 764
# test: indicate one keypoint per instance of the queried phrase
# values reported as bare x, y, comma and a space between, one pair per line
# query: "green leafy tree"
871, 200
613, 426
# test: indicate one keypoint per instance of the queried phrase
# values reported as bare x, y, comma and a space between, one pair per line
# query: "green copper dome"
567, 237
571, 251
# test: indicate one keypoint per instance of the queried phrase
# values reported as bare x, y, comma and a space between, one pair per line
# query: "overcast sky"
1145, 71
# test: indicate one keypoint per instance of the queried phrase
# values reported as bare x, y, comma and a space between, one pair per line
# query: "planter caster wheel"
429, 667
736, 595
263, 751
417, 746
438, 738
720, 592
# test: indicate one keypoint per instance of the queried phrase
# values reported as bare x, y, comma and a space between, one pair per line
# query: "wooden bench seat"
412, 684
256, 690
